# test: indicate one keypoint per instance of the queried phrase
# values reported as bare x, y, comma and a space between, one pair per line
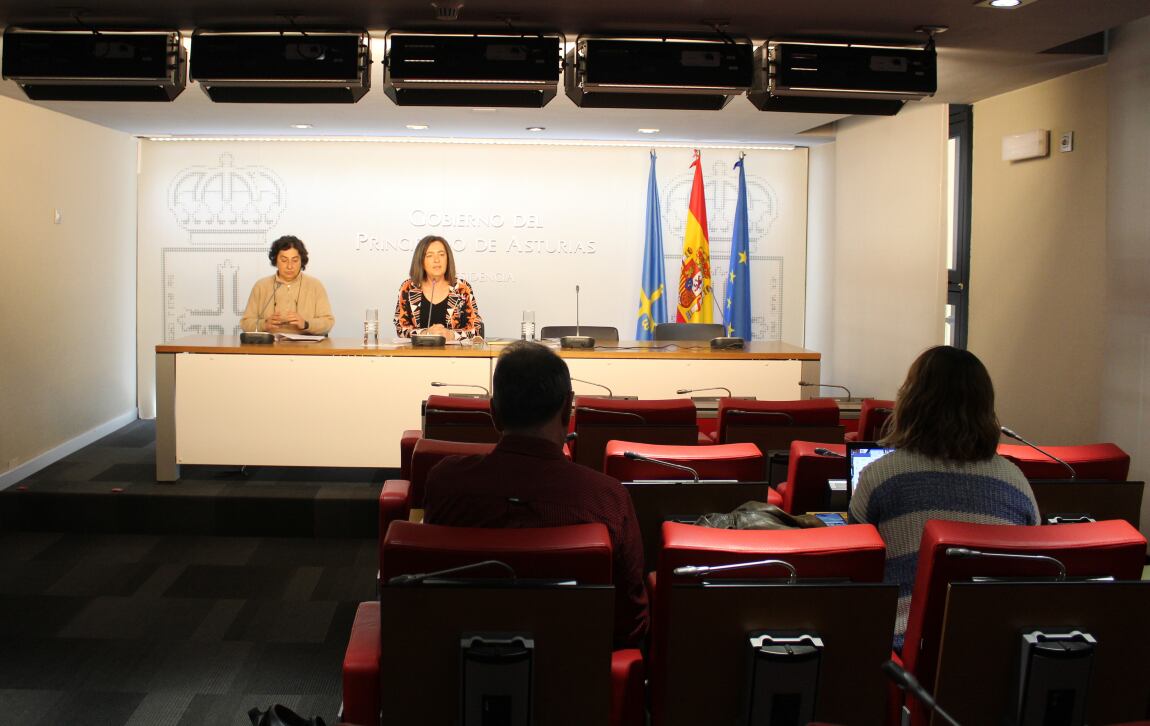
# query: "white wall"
1125, 390
821, 253
527, 222
1038, 258
67, 361
889, 267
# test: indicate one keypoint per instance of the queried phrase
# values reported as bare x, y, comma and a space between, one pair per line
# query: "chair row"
710, 635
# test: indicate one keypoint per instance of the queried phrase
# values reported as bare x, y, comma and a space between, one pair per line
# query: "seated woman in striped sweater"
945, 433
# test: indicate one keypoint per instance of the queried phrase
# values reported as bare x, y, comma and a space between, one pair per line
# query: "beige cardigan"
306, 296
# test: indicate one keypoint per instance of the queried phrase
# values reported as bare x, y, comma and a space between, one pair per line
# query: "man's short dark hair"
531, 384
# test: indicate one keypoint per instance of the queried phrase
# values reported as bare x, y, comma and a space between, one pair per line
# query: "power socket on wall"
1066, 141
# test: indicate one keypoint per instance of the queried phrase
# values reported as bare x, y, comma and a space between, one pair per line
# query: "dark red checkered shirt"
550, 491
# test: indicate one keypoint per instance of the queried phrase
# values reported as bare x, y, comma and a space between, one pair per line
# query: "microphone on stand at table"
804, 384
441, 384
577, 340
634, 456
968, 553
681, 391
593, 383
1047, 454
909, 683
418, 577
700, 570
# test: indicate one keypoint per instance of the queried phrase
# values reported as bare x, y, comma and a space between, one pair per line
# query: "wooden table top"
687, 350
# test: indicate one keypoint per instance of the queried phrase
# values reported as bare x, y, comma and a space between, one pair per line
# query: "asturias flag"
695, 295
653, 288
737, 310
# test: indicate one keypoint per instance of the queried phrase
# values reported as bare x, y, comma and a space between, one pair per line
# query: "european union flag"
737, 309
653, 288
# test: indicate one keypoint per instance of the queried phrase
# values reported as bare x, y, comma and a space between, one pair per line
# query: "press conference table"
337, 402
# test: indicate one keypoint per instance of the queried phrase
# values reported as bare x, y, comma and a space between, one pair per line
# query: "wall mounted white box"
1030, 145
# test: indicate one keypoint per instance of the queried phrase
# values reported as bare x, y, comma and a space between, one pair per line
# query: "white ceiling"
985, 52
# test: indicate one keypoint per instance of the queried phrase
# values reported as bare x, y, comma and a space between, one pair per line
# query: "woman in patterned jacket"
433, 301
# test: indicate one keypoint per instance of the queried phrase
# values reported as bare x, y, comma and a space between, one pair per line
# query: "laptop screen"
861, 453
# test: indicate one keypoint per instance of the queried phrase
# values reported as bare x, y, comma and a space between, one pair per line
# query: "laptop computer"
859, 455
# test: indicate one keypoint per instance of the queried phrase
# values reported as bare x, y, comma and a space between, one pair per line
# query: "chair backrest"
740, 462
807, 475
813, 412
855, 552
689, 331
1112, 548
873, 415
1090, 461
458, 418
598, 420
581, 552
429, 452
601, 333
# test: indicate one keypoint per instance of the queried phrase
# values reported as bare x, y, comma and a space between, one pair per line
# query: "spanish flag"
695, 294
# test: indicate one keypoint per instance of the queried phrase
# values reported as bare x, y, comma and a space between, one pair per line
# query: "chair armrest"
407, 443
627, 674
361, 697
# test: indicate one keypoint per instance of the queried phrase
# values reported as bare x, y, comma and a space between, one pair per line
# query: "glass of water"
371, 326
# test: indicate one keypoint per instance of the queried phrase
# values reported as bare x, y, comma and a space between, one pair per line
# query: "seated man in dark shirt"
528, 482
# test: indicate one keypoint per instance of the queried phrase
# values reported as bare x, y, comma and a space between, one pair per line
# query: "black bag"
758, 515
280, 715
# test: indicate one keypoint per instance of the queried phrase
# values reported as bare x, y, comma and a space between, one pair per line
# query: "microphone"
789, 420
571, 436
907, 682
441, 384
1047, 454
592, 383
969, 553
804, 384
610, 413
633, 456
681, 391
700, 570
418, 577
577, 340
827, 452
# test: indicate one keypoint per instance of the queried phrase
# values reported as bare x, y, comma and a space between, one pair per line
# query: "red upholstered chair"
873, 416
805, 489
1090, 461
598, 420
449, 418
580, 552
855, 552
1112, 548
773, 425
399, 496
741, 462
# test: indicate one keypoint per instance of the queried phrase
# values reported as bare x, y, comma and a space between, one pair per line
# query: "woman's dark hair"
417, 274
529, 386
288, 242
945, 408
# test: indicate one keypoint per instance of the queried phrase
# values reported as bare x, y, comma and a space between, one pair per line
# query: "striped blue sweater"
901, 491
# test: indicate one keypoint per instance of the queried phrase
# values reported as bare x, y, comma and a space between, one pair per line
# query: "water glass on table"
371, 327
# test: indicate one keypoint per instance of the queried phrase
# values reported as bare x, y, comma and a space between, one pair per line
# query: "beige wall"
1038, 258
889, 276
67, 363
819, 324
1125, 392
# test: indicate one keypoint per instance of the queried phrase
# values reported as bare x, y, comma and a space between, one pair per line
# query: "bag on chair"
758, 515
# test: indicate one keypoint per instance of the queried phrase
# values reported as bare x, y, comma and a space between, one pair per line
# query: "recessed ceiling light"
484, 110
536, 128
1003, 4
301, 126
417, 127
648, 131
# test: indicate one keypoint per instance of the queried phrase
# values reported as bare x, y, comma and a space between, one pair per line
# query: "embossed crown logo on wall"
226, 200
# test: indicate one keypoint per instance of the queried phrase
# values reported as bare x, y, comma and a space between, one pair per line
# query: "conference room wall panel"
1038, 258
67, 284
527, 223
889, 268
1125, 390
